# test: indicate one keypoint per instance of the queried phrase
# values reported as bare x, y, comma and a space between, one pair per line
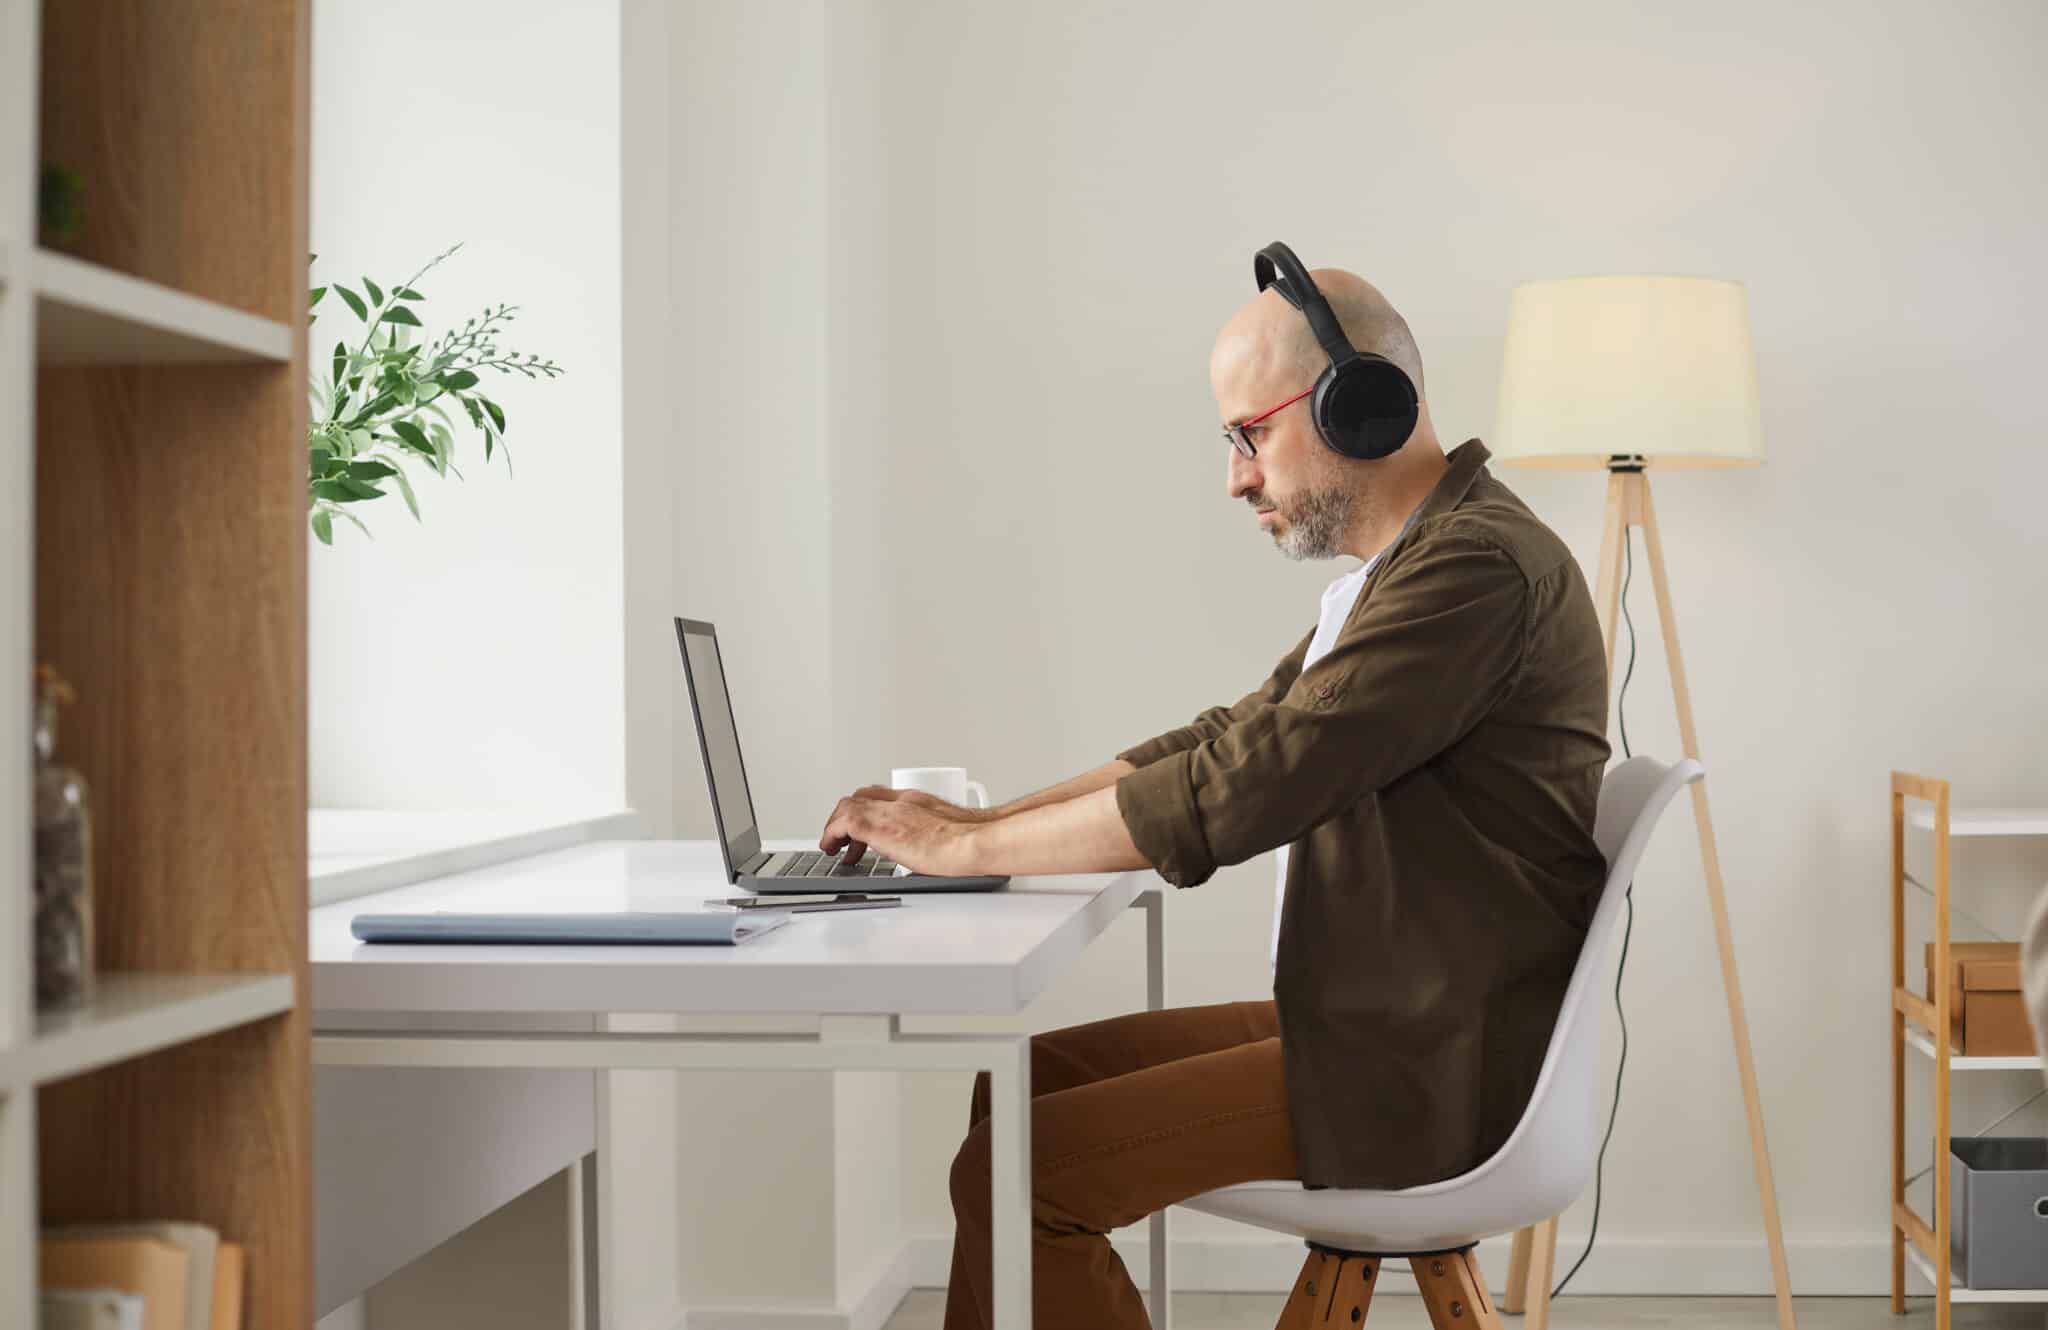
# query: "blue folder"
615, 927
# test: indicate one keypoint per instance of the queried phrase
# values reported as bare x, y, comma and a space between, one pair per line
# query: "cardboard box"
1987, 1011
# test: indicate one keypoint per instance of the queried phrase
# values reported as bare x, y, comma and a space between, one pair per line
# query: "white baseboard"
869, 1311
1645, 1267
1850, 1267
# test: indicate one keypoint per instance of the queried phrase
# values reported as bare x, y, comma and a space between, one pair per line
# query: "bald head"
1314, 501
1268, 336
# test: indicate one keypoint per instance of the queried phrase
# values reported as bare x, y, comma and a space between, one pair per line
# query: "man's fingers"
845, 831
837, 827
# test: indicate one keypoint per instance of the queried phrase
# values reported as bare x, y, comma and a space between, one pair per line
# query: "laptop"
732, 805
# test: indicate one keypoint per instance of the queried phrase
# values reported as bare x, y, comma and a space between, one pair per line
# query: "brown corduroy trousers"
1128, 1115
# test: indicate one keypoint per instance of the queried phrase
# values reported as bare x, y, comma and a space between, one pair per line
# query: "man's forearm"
1088, 782
1083, 834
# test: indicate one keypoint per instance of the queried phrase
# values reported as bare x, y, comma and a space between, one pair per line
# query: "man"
1427, 762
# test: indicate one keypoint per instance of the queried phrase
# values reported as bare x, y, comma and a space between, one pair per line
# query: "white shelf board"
1959, 1293
1918, 1038
90, 315
134, 1014
1983, 821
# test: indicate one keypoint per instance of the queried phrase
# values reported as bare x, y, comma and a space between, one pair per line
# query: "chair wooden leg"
1512, 1298
1330, 1292
1454, 1291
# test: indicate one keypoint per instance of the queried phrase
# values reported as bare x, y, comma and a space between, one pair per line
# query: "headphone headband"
1364, 405
1299, 290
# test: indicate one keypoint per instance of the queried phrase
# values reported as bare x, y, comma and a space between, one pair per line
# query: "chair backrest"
1550, 1155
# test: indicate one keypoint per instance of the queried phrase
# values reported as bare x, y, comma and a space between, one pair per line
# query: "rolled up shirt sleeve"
1216, 720
1435, 647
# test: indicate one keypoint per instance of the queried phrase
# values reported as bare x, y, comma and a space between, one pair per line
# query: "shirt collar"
1467, 463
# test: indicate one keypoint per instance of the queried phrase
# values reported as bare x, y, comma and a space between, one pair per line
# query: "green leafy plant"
384, 404
60, 209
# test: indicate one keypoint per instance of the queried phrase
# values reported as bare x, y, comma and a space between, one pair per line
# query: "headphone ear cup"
1365, 408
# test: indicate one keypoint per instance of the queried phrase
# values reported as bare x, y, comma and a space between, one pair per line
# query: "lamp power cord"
1621, 1016
1628, 927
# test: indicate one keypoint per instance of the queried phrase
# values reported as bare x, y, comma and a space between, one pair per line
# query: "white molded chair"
1540, 1171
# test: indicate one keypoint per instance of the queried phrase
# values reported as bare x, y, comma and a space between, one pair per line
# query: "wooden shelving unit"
1917, 1240
132, 1015
89, 315
153, 549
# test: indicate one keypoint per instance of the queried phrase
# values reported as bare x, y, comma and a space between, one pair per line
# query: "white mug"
948, 783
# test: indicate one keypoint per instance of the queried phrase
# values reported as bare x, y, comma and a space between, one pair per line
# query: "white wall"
750, 498
974, 304
474, 659
477, 659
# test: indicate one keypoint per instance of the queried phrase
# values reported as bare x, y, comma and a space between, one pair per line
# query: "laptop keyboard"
816, 864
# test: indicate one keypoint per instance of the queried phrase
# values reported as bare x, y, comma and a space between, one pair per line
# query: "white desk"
856, 971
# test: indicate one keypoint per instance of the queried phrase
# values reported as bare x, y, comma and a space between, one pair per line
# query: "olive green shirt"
1437, 775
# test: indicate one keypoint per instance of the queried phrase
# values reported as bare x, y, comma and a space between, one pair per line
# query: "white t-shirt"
1338, 598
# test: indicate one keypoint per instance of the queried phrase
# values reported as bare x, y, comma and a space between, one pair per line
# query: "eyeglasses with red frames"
1241, 441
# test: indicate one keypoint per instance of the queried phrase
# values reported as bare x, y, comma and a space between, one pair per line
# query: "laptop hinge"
757, 863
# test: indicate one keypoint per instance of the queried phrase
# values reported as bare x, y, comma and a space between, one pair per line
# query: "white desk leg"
587, 1268
1010, 1180
1154, 902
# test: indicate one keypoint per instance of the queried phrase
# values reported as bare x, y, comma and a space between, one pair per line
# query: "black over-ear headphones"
1363, 405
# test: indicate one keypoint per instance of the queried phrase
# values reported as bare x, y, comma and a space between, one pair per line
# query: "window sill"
356, 851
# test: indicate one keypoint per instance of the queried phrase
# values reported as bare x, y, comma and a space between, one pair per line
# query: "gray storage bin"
1998, 1211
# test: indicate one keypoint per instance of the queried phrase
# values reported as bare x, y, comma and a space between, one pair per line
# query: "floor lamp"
1630, 373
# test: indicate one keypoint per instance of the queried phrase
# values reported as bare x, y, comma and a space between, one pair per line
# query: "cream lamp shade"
1648, 366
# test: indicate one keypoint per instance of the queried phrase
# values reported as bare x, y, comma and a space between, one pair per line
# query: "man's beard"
1316, 521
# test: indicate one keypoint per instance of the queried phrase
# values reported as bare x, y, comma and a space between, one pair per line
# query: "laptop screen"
720, 739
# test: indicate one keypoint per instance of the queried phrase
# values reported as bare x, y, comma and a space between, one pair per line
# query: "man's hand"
950, 811
1081, 834
908, 826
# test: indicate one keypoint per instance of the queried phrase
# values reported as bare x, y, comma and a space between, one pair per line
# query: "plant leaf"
340, 361
496, 413
407, 293
353, 301
376, 294
323, 525
457, 381
413, 437
400, 314
357, 520
367, 471
487, 445
405, 488
318, 291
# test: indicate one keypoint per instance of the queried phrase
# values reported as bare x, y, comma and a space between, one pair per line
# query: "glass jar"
63, 874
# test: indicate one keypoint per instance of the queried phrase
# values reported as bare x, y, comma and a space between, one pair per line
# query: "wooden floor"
924, 1309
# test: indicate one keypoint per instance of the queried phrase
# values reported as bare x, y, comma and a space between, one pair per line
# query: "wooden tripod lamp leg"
1542, 1273
1512, 1299
1528, 1287
1533, 1256
1710, 860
